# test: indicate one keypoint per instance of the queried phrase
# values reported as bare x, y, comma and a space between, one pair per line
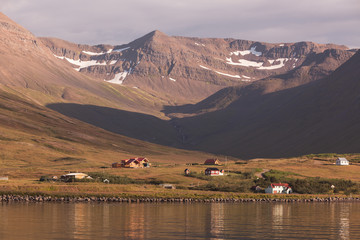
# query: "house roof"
341, 159
132, 160
280, 184
211, 161
76, 174
212, 169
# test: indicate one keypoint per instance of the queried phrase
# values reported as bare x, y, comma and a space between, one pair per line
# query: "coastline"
8, 197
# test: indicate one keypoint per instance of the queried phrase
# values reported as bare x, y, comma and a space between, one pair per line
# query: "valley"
67, 107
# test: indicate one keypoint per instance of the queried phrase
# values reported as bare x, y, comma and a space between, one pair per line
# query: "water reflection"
80, 221
344, 221
180, 221
217, 223
277, 216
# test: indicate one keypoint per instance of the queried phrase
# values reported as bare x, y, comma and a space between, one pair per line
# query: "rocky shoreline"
39, 198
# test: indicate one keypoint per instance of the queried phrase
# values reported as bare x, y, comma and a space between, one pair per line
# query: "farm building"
278, 188
212, 162
342, 161
143, 161
73, 176
214, 172
132, 163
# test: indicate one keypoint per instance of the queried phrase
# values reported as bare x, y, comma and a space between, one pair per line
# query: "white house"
72, 176
342, 161
278, 188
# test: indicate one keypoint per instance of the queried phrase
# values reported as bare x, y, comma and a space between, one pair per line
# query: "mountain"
175, 91
321, 116
187, 70
34, 137
30, 68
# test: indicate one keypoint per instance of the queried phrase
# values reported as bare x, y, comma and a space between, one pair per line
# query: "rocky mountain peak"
16, 39
194, 68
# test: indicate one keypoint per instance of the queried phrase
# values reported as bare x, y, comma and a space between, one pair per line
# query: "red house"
214, 172
212, 162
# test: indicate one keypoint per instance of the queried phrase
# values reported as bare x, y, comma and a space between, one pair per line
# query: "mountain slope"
322, 116
29, 68
190, 69
36, 141
266, 111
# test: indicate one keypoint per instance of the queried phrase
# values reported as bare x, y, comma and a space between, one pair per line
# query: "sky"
121, 21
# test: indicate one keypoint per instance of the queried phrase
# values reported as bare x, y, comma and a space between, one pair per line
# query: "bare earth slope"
322, 116
35, 140
31, 77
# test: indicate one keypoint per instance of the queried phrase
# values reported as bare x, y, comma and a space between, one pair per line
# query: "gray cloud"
120, 21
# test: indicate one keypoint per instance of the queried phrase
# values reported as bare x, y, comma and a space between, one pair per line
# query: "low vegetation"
309, 185
315, 174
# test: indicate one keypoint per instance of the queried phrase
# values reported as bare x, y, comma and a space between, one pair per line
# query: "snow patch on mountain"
199, 44
119, 77
244, 63
259, 65
228, 75
246, 52
121, 49
93, 53
204, 67
97, 54
277, 66
85, 64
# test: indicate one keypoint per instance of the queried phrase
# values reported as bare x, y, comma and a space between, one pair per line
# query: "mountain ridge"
317, 117
191, 69
248, 91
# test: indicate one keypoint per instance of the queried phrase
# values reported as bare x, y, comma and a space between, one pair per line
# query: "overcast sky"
121, 21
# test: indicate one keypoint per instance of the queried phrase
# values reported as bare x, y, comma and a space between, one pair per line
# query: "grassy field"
240, 175
36, 141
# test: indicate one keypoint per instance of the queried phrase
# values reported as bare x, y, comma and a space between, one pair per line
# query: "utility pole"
226, 164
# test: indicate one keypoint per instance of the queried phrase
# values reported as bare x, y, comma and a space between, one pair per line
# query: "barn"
214, 161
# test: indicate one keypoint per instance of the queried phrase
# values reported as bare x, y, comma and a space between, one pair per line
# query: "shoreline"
142, 199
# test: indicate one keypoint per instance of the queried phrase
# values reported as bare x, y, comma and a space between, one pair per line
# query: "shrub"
114, 179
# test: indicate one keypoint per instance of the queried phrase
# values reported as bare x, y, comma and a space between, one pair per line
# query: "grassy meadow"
24, 158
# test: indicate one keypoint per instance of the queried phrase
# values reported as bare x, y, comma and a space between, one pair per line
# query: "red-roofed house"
212, 162
144, 162
214, 172
132, 163
278, 188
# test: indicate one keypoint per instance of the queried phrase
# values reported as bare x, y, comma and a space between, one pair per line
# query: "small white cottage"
342, 161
